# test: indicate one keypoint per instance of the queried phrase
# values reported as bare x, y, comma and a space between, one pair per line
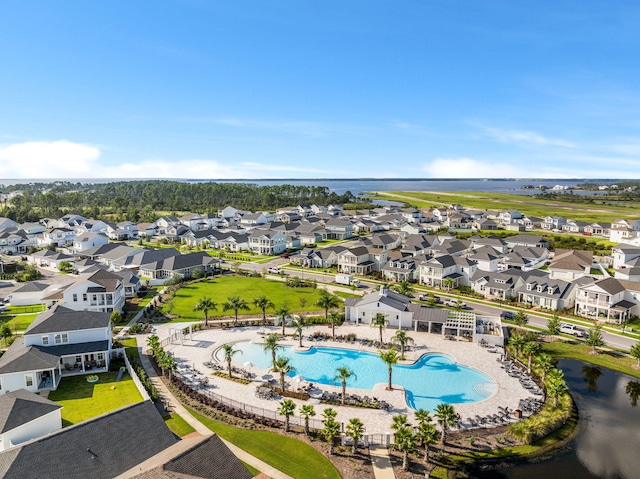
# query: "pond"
608, 437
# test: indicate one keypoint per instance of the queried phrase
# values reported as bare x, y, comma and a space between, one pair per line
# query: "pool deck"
199, 350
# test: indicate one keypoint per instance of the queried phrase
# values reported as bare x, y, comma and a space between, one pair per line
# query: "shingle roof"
101, 448
59, 318
21, 406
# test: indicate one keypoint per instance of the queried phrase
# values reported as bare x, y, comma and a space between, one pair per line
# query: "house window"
100, 356
61, 338
84, 297
28, 380
78, 359
45, 340
75, 297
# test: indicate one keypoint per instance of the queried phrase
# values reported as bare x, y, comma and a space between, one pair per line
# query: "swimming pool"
433, 379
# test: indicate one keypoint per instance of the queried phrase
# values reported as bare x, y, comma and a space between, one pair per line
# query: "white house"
87, 241
98, 291
25, 416
608, 299
267, 242
59, 342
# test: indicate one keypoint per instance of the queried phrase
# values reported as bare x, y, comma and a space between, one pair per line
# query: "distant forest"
145, 201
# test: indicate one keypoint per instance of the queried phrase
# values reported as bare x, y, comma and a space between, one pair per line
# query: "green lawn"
177, 425
527, 205
82, 400
608, 359
293, 457
246, 288
18, 322
131, 348
32, 308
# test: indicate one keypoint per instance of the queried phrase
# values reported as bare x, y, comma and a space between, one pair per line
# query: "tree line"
146, 200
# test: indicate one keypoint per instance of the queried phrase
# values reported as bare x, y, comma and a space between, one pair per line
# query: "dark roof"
31, 287
21, 406
59, 318
209, 458
101, 448
19, 358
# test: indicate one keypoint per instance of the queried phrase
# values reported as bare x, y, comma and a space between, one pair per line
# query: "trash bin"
517, 413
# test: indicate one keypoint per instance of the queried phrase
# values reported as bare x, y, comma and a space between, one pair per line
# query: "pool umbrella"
249, 364
298, 379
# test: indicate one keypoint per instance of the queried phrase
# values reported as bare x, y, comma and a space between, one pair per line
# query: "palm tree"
404, 288
263, 303
229, 351
401, 339
545, 363
556, 385
327, 301
553, 325
446, 416
390, 358
307, 411
282, 365
235, 304
286, 409
205, 305
448, 283
521, 319
170, 364
423, 416
331, 428
379, 321
405, 442
153, 342
595, 339
517, 341
428, 434
283, 313
398, 421
333, 317
271, 344
530, 349
355, 430
299, 324
342, 374
635, 352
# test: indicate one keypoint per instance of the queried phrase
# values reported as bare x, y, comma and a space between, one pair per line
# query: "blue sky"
308, 89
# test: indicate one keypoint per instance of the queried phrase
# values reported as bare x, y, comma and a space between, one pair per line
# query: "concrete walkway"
167, 396
381, 462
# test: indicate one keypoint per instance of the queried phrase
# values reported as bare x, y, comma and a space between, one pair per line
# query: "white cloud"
527, 137
65, 159
47, 159
470, 168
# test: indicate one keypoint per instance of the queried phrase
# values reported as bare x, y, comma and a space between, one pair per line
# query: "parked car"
274, 270
454, 303
508, 315
571, 329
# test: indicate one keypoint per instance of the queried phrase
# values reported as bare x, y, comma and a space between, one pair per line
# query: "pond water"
433, 379
608, 439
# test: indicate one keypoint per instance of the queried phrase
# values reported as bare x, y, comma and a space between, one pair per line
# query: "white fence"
133, 374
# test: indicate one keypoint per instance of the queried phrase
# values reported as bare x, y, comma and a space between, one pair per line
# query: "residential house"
25, 416
402, 268
530, 241
573, 226
14, 241
485, 224
453, 247
7, 223
194, 221
623, 254
629, 271
599, 229
338, 228
71, 221
502, 285
485, 258
623, 230
530, 222
58, 342
100, 290
570, 264
90, 450
498, 244
57, 237
361, 260
182, 265
87, 241
267, 242
446, 271
253, 219
508, 217
608, 299
525, 258
553, 223
48, 258
548, 293
30, 293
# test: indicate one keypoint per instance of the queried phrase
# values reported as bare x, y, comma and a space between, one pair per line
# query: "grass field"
82, 400
177, 425
17, 322
527, 205
608, 359
293, 457
246, 288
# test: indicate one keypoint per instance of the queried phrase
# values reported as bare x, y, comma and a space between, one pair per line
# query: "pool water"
433, 379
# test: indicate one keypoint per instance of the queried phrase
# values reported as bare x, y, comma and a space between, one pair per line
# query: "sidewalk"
381, 462
178, 408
